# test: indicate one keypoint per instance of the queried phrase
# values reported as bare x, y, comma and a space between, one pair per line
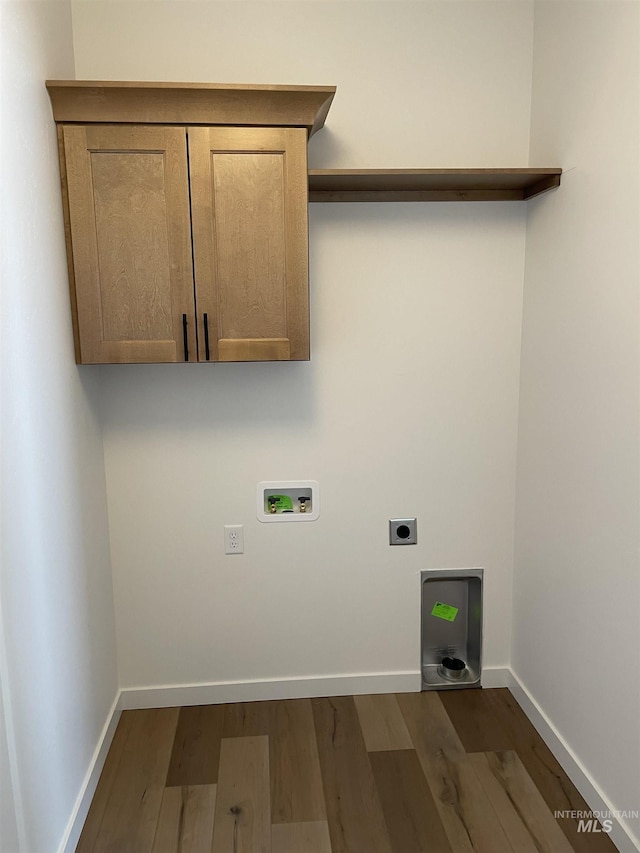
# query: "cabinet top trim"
514, 184
88, 101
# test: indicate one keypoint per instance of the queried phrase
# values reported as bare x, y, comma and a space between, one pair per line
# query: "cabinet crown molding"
239, 104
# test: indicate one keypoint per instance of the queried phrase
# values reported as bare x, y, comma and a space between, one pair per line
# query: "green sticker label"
444, 611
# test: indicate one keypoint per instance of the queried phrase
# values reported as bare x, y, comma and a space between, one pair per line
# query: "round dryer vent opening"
452, 668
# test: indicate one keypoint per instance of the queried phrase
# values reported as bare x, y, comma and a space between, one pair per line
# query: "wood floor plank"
95, 816
382, 723
557, 790
469, 820
524, 815
185, 823
133, 806
196, 747
296, 783
412, 818
354, 812
242, 822
247, 719
475, 721
307, 837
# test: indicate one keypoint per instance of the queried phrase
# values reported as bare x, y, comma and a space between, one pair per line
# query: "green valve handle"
280, 503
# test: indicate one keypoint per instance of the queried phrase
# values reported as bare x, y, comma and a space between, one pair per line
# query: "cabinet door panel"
130, 242
249, 211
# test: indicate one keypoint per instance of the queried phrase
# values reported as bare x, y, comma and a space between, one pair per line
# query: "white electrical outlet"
233, 539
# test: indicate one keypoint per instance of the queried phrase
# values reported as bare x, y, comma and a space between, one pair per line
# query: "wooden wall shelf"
354, 185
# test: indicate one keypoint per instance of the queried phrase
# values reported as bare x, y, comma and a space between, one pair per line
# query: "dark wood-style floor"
441, 772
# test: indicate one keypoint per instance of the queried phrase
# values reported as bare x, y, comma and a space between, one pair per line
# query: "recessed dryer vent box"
451, 628
288, 500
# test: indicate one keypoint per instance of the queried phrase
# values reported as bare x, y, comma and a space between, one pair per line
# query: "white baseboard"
495, 676
217, 693
621, 834
88, 789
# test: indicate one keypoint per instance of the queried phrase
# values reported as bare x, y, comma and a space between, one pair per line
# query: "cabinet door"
130, 241
250, 241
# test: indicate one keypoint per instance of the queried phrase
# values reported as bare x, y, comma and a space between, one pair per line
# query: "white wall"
8, 812
576, 639
57, 666
409, 404
428, 83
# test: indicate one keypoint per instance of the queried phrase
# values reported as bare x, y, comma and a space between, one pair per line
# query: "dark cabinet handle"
206, 336
185, 337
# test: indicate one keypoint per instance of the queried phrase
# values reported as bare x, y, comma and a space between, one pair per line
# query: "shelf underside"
376, 185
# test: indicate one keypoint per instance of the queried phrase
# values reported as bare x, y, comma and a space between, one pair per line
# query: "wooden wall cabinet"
186, 218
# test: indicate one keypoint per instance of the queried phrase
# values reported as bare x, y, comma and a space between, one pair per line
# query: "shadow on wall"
203, 396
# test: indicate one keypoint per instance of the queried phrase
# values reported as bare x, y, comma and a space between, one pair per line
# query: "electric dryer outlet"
403, 531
